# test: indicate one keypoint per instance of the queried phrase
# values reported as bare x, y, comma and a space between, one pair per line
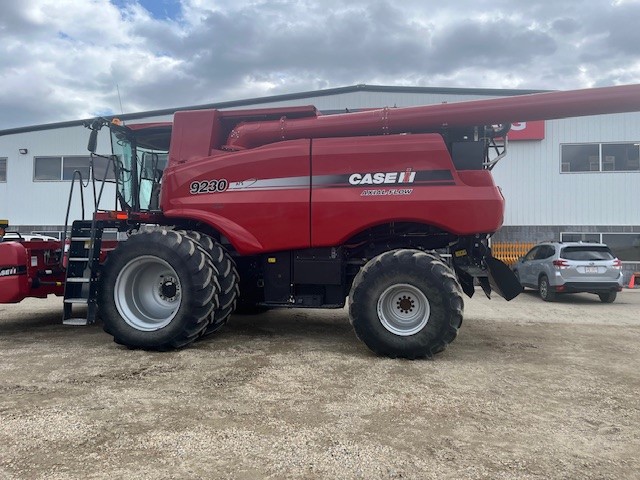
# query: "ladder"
81, 284
83, 257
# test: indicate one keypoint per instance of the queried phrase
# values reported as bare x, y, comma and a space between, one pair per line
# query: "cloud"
62, 59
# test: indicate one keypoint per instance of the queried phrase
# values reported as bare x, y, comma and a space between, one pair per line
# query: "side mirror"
93, 141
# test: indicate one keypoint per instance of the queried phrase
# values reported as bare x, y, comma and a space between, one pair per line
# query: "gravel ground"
529, 390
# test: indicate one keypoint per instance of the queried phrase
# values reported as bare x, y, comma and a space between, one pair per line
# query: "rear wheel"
406, 303
545, 290
157, 290
608, 297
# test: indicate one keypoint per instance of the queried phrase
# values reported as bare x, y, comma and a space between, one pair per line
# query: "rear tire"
545, 290
406, 303
157, 290
608, 297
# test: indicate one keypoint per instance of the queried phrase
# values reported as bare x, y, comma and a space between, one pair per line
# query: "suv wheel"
545, 290
608, 297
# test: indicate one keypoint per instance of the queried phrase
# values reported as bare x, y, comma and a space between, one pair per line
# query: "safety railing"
510, 252
77, 174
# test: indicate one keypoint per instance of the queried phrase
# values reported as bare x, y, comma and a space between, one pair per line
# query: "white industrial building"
568, 179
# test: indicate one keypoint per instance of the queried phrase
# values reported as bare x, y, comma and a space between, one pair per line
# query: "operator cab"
140, 154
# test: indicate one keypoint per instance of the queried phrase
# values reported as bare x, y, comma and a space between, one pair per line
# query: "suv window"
545, 251
587, 253
532, 253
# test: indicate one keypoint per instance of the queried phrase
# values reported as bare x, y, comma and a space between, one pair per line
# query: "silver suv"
556, 267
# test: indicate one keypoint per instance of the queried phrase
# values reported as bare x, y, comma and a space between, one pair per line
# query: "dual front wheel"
162, 289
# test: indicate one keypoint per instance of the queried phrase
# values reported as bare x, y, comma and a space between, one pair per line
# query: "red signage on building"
527, 130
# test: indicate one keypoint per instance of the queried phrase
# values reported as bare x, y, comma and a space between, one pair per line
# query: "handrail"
111, 160
78, 174
93, 183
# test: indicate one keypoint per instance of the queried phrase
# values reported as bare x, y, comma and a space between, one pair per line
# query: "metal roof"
284, 97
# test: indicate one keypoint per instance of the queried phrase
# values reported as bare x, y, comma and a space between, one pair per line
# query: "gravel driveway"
529, 390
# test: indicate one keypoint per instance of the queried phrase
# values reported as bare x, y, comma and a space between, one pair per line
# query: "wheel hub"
403, 309
169, 289
405, 304
147, 293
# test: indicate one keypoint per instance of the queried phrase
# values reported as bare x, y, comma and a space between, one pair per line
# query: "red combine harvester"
247, 210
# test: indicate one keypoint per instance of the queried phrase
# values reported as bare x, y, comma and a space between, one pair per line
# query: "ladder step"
81, 273
75, 322
76, 300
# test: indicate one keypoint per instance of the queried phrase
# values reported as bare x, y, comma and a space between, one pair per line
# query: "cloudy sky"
66, 59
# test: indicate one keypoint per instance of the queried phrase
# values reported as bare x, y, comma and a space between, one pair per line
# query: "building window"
62, 168
71, 164
580, 237
600, 157
620, 157
3, 169
101, 166
625, 246
47, 168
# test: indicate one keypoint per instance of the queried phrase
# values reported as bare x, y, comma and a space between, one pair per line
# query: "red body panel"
22, 262
297, 194
437, 196
265, 206
13, 286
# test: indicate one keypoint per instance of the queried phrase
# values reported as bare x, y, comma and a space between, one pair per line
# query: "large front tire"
406, 303
228, 278
157, 290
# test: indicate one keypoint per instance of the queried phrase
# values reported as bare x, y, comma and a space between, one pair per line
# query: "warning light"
116, 121
119, 215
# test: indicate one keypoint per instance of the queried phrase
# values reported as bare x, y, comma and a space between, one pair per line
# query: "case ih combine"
284, 207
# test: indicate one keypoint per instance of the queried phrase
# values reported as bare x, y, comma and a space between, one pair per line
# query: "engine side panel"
360, 182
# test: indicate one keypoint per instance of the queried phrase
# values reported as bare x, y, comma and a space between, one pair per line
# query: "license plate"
590, 269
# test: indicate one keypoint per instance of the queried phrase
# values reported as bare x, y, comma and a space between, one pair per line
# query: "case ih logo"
5, 272
382, 178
